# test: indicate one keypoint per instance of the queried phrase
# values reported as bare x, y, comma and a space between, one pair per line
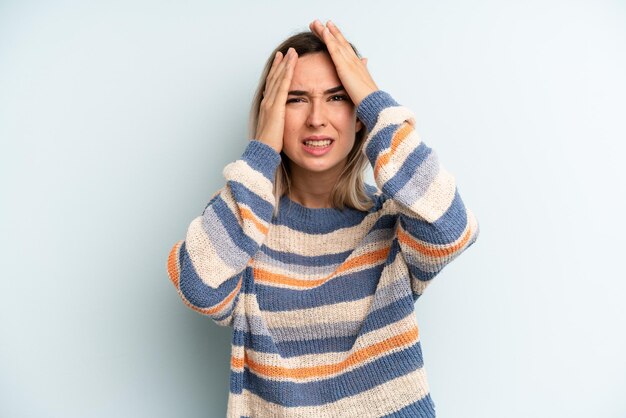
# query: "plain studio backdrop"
117, 118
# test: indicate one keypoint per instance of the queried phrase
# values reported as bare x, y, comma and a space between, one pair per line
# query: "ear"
358, 126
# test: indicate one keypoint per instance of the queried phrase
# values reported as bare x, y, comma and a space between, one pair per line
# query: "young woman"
316, 271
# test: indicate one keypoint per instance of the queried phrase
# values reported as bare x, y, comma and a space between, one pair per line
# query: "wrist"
364, 93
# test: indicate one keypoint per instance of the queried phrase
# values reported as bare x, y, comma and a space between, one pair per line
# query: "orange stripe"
172, 263
407, 239
368, 258
399, 136
356, 358
236, 362
247, 214
269, 277
213, 309
382, 161
363, 259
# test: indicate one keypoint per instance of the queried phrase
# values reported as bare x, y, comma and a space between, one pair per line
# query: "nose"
317, 115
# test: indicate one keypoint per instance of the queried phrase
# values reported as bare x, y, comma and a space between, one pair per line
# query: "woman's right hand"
271, 122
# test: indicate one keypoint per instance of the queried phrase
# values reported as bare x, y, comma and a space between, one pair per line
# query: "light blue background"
117, 118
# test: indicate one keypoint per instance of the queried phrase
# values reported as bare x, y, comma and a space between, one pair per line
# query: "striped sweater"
321, 301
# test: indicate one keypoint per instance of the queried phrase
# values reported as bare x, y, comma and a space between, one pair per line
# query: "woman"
316, 271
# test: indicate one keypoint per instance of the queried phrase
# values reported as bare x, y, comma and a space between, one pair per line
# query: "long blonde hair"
350, 187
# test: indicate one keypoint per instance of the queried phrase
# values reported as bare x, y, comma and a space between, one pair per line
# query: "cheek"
291, 131
346, 121
345, 115
293, 119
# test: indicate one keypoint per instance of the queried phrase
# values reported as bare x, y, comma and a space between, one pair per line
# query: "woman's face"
320, 118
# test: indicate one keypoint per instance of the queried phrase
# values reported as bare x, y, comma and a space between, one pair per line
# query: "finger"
317, 27
327, 36
322, 32
334, 30
364, 61
285, 81
284, 71
277, 58
336, 43
276, 70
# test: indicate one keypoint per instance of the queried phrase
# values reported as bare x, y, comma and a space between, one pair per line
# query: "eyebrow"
304, 93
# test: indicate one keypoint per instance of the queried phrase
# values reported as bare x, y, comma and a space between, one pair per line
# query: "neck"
311, 189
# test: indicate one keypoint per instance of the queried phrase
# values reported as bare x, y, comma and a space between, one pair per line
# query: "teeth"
323, 143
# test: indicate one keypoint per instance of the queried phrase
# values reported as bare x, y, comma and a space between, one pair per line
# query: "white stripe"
208, 264
392, 116
254, 180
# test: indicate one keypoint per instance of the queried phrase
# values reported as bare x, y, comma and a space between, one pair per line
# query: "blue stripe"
316, 220
386, 315
262, 158
233, 228
294, 348
380, 142
340, 289
371, 106
448, 228
242, 195
385, 222
409, 169
236, 382
420, 274
323, 220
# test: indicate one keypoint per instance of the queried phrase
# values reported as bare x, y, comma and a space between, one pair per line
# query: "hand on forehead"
351, 69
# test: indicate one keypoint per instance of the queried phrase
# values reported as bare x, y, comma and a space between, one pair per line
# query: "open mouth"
317, 141
317, 145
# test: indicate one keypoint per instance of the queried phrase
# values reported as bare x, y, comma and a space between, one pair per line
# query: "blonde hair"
350, 187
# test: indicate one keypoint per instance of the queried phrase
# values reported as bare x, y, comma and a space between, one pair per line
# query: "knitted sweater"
321, 301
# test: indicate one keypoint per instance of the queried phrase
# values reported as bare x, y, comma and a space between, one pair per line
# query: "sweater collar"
316, 220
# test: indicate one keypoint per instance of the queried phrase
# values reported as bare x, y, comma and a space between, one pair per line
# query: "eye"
339, 97
295, 100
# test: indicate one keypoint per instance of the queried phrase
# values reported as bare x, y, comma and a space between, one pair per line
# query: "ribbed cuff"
372, 105
262, 158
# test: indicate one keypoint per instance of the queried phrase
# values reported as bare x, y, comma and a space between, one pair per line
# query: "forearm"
434, 225
206, 267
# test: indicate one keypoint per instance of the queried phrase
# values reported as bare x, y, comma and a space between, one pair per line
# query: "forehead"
314, 72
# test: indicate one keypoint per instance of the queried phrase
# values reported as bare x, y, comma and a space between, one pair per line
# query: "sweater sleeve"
434, 226
207, 266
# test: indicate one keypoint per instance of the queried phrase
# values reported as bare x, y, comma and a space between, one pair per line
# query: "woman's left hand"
351, 69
